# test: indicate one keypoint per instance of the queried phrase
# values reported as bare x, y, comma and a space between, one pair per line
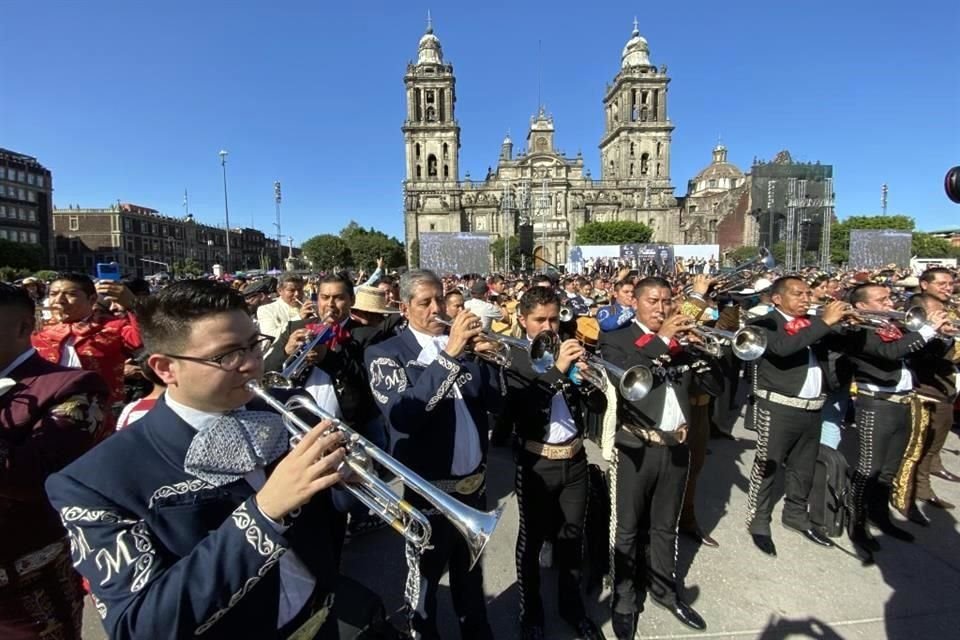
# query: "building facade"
26, 202
540, 184
143, 241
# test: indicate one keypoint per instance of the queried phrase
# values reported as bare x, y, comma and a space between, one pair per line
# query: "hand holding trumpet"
463, 329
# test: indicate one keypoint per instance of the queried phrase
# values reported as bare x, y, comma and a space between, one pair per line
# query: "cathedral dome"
429, 50
719, 175
636, 53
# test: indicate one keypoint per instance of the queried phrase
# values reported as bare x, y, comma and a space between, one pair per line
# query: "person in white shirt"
480, 307
273, 318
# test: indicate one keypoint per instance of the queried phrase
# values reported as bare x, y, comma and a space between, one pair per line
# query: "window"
21, 176
632, 146
445, 151
416, 150
33, 237
419, 171
446, 171
31, 195
22, 194
32, 215
30, 178
3, 211
431, 166
644, 164
74, 223
153, 228
3, 234
127, 226
433, 227
40, 181
23, 236
713, 182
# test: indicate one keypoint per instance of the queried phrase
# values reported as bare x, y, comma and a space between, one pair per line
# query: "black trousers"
449, 550
650, 485
552, 497
787, 438
883, 428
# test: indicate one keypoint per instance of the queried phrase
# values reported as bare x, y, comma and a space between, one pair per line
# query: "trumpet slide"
474, 525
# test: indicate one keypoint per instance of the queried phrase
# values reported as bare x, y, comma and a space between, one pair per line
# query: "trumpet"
748, 344
542, 349
296, 365
566, 314
474, 525
633, 383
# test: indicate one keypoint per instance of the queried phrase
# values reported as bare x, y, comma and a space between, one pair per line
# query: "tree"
496, 248
840, 232
414, 254
928, 246
614, 232
327, 252
188, 268
742, 254
22, 256
367, 245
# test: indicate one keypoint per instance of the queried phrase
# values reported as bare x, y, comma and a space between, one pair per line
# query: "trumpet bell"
475, 526
749, 344
543, 350
914, 318
636, 383
566, 314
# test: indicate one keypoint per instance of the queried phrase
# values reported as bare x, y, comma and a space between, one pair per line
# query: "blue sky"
132, 100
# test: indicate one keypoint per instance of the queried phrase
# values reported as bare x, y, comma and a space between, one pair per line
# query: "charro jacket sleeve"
408, 407
143, 591
781, 344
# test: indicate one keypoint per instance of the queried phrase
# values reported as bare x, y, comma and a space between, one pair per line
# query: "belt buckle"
469, 485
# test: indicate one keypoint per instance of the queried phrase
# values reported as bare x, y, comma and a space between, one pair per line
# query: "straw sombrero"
372, 300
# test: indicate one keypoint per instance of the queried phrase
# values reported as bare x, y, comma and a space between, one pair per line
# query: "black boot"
624, 625
879, 513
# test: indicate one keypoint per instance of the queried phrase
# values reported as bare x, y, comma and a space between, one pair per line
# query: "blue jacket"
171, 556
613, 317
416, 400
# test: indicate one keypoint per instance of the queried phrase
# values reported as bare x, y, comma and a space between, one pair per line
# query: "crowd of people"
139, 465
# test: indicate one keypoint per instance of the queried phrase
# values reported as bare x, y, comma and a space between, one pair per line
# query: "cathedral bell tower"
430, 132
636, 140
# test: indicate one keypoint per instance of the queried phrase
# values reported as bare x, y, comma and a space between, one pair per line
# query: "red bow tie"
796, 325
645, 339
889, 333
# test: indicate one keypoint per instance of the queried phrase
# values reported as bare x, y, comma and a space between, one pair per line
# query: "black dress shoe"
939, 503
765, 544
812, 534
624, 625
916, 516
587, 629
531, 632
684, 613
943, 474
700, 537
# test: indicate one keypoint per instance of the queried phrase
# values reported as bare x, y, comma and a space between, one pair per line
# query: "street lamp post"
226, 209
277, 198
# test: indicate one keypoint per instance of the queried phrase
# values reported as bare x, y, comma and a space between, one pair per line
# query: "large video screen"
873, 248
455, 253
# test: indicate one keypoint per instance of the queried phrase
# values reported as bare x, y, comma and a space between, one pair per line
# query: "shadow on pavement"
783, 628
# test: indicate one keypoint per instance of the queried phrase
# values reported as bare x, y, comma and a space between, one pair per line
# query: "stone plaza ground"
912, 592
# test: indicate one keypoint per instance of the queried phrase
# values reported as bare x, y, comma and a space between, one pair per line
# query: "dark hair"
620, 284
16, 298
819, 280
929, 275
165, 318
779, 286
338, 278
859, 292
81, 279
390, 280
495, 279
289, 278
537, 296
538, 279
651, 282
138, 286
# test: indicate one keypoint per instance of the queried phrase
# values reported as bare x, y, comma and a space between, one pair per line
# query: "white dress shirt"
296, 581
486, 311
813, 383
672, 417
563, 428
466, 442
69, 357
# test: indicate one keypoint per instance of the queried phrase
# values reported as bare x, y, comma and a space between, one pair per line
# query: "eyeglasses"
231, 360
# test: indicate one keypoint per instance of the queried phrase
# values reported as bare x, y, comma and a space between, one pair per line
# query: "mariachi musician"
435, 397
789, 391
652, 457
886, 408
551, 482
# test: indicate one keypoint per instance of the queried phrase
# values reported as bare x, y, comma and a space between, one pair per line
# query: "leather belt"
898, 398
807, 404
554, 451
465, 486
656, 437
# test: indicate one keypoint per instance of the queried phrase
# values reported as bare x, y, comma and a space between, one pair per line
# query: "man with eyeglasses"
199, 518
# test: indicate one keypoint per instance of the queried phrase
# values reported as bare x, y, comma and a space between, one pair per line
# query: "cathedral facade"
538, 184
